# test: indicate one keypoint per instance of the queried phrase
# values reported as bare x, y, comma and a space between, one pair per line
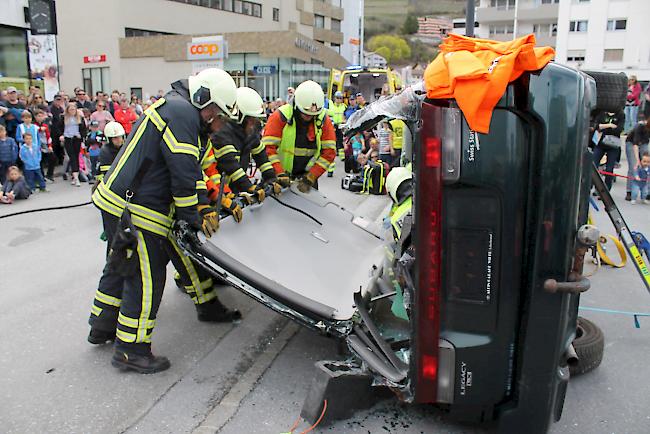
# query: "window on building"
613, 55
130, 32
501, 29
319, 21
502, 4
578, 26
336, 25
239, 6
548, 2
336, 47
613, 25
13, 53
96, 79
276, 14
575, 56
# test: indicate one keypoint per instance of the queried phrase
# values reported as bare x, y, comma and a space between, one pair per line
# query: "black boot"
330, 174
100, 337
628, 196
148, 364
214, 311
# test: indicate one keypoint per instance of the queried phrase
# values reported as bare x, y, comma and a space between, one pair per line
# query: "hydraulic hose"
52, 208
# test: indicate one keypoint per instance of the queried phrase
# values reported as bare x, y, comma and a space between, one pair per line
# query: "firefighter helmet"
249, 103
214, 85
395, 179
309, 98
114, 129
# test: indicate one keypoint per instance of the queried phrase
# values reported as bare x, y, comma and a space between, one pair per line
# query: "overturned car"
495, 217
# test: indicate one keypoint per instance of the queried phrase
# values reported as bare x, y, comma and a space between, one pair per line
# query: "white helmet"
309, 98
114, 129
249, 103
214, 85
394, 180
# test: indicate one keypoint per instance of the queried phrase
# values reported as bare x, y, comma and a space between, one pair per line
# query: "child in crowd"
353, 147
640, 182
94, 141
31, 157
48, 159
15, 187
25, 127
8, 153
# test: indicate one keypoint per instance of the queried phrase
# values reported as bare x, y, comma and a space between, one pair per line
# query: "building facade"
503, 20
605, 35
142, 46
352, 28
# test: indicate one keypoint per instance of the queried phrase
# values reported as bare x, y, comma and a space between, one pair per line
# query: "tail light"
428, 215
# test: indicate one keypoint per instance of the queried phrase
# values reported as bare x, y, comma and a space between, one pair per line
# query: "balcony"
528, 11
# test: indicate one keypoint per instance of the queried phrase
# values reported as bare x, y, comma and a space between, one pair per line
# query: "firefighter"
249, 129
115, 135
300, 139
336, 112
400, 190
153, 178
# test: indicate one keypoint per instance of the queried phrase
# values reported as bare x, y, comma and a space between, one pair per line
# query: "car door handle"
575, 284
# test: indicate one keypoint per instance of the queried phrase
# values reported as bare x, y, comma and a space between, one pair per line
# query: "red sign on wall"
98, 58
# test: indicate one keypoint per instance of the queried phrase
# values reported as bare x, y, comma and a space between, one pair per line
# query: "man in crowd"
125, 115
154, 173
300, 139
82, 100
12, 99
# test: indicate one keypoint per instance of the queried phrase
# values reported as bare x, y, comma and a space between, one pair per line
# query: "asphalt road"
251, 377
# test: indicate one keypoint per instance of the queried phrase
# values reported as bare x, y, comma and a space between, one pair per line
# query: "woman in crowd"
101, 115
73, 130
632, 104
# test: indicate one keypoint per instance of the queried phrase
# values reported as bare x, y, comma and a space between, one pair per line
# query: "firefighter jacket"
208, 188
296, 147
397, 215
476, 72
161, 155
249, 145
107, 154
225, 154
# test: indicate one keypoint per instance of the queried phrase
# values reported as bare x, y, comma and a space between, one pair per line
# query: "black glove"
284, 180
209, 220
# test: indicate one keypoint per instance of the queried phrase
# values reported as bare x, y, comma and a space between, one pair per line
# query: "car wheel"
589, 345
611, 90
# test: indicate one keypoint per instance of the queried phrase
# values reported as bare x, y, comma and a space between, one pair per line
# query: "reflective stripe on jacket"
166, 134
336, 111
279, 138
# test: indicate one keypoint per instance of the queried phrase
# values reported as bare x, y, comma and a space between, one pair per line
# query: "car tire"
611, 90
589, 346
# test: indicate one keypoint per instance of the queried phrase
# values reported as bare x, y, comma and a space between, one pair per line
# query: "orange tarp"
476, 72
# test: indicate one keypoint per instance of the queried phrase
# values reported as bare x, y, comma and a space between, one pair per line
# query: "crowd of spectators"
37, 136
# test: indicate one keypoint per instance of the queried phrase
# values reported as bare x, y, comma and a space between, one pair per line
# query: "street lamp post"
469, 18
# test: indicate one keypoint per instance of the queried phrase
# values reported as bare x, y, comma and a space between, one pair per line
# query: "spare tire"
611, 90
589, 345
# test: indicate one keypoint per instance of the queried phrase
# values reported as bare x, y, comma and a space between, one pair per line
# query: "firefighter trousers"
196, 281
108, 298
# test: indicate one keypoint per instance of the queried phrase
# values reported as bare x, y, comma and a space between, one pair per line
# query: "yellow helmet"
396, 177
309, 98
249, 103
214, 85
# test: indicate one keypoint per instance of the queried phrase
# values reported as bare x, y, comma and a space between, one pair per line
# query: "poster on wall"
43, 62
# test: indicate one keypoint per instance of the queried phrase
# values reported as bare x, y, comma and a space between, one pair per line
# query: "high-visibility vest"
398, 126
336, 111
397, 216
288, 150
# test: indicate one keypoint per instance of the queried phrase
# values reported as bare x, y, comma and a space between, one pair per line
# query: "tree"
393, 48
410, 25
